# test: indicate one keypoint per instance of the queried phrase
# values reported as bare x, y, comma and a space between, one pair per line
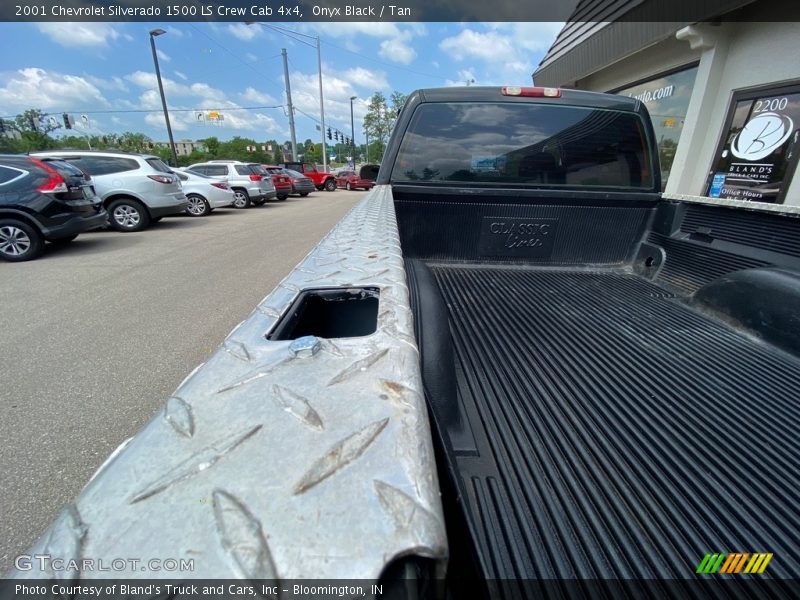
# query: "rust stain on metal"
340, 454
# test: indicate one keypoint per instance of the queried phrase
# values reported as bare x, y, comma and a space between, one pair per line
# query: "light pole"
153, 34
291, 34
352, 133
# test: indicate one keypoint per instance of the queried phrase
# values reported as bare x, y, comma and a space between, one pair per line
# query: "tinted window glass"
158, 165
295, 174
197, 173
7, 174
65, 169
243, 169
215, 170
528, 144
104, 165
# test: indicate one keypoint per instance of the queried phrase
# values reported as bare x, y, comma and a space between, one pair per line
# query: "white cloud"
253, 95
149, 82
163, 55
509, 51
397, 50
250, 56
339, 86
365, 78
184, 98
79, 34
38, 88
113, 84
244, 32
488, 46
181, 75
464, 76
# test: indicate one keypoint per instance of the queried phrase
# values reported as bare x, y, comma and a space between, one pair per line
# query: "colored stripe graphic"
733, 562
711, 563
758, 564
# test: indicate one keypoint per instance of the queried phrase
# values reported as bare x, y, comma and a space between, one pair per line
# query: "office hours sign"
757, 156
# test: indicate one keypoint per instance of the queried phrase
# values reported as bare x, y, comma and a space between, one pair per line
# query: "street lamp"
153, 34
352, 132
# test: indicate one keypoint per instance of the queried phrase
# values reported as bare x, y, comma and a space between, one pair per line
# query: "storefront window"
666, 98
756, 157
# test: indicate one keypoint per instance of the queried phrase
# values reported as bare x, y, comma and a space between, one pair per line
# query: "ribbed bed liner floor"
617, 432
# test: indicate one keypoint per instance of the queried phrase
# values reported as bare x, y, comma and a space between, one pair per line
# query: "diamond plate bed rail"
268, 463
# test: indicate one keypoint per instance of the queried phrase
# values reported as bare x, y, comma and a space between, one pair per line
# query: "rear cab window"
243, 169
524, 145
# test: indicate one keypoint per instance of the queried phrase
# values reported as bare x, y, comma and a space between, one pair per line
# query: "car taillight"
222, 186
162, 178
55, 183
531, 92
255, 177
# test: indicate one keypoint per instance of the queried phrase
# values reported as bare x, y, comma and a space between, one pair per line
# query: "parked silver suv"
136, 189
250, 182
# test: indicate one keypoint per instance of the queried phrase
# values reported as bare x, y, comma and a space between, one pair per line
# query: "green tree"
379, 121
212, 146
33, 128
135, 142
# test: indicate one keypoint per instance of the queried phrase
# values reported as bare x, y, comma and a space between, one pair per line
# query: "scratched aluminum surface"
262, 465
746, 204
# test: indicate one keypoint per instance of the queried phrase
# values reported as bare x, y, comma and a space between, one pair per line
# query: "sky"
85, 68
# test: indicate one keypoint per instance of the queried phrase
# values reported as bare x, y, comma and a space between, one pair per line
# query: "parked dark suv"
43, 200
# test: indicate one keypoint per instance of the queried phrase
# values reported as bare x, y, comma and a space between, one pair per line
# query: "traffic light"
336, 135
68, 121
329, 133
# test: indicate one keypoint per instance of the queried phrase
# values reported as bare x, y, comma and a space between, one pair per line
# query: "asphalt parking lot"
96, 335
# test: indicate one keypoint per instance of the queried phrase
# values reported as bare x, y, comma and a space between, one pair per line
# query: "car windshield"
524, 143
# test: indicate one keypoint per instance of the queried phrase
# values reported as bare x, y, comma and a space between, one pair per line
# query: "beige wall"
733, 56
755, 54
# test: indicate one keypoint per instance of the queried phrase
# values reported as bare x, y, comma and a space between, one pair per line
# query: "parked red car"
351, 180
322, 179
281, 181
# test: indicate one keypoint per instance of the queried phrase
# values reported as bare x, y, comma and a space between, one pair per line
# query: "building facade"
723, 94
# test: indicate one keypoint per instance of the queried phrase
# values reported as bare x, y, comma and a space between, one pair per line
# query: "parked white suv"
250, 182
136, 189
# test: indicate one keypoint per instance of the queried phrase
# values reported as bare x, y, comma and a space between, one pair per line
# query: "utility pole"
352, 133
322, 110
289, 102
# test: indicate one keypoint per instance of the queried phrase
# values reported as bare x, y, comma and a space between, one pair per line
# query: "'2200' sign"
761, 136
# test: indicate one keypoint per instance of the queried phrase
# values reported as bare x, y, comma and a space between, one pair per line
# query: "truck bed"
605, 428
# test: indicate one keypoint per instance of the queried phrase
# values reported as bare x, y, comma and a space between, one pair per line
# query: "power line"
149, 110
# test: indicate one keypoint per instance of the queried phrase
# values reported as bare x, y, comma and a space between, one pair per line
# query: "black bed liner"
611, 430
